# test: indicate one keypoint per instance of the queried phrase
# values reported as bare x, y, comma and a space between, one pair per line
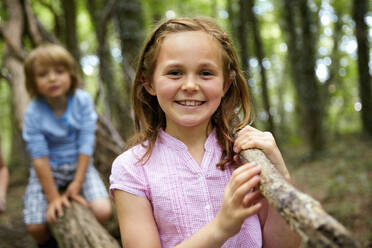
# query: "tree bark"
360, 10
257, 40
301, 56
79, 228
69, 11
304, 214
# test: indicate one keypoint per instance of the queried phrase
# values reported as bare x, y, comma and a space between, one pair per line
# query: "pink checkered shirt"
185, 196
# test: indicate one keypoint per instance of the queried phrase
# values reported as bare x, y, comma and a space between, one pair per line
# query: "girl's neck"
58, 105
193, 137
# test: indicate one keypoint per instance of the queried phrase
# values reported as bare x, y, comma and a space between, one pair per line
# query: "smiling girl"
180, 183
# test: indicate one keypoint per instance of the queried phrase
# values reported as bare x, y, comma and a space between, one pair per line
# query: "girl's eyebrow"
174, 63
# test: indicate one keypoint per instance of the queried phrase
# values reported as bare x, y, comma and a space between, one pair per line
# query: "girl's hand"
73, 192
56, 207
250, 137
240, 200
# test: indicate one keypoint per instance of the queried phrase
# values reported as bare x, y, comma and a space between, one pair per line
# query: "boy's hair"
233, 112
50, 54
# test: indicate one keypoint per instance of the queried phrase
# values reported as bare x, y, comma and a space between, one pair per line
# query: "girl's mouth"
190, 103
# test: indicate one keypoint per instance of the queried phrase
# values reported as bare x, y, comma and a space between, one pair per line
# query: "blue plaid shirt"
61, 139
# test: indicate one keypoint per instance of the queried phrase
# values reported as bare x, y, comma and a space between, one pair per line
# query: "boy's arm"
56, 201
74, 188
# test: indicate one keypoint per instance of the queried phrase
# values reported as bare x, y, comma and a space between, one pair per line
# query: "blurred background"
307, 62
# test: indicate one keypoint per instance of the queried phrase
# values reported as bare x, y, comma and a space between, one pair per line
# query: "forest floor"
341, 180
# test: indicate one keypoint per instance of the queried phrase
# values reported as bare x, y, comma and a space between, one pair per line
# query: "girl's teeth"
190, 103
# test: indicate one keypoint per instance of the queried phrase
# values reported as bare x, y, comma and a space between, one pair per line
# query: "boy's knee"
39, 232
102, 209
37, 228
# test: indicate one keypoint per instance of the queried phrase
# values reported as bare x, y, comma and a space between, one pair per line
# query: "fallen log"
78, 228
304, 214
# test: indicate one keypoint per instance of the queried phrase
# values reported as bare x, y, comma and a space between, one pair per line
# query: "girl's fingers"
252, 210
245, 188
243, 174
251, 198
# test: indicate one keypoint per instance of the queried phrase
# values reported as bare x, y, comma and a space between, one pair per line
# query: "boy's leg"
39, 232
35, 206
95, 192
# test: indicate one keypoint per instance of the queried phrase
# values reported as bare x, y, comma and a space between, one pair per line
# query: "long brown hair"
233, 112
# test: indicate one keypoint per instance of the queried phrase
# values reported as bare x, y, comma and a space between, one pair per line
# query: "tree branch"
304, 214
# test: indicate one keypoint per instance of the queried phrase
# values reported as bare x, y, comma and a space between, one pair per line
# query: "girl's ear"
148, 86
229, 82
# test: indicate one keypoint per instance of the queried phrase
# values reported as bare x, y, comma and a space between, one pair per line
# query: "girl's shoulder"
131, 156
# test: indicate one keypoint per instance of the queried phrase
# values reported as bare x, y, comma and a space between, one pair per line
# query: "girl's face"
52, 81
188, 79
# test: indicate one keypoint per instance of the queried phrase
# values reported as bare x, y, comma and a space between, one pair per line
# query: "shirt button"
207, 206
201, 178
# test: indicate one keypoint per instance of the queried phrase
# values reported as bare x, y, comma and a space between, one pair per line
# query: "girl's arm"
56, 201
138, 228
136, 221
275, 231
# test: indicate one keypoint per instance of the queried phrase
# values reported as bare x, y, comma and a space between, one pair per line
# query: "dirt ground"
341, 180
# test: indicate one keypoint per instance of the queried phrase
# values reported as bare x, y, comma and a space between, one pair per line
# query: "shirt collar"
174, 143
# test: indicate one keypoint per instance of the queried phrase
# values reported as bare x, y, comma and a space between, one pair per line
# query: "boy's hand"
250, 137
56, 208
73, 192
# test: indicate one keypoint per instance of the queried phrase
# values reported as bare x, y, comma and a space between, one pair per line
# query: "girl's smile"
188, 79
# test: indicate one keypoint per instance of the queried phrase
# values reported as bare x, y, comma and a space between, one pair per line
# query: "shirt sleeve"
86, 136
128, 176
36, 143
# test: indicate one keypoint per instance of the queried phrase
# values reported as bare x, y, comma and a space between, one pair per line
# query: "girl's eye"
206, 73
174, 73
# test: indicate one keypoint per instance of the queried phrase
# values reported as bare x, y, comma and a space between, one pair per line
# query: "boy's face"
52, 81
188, 79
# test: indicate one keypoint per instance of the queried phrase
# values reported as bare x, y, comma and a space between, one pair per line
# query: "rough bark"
360, 10
304, 214
79, 228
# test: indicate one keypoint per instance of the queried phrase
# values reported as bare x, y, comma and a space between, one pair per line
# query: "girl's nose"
190, 84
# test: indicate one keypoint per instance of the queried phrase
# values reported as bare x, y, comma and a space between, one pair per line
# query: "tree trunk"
301, 55
243, 37
260, 56
78, 228
360, 10
72, 44
302, 213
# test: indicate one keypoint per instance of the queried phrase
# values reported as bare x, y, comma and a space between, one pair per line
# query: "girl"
180, 183
59, 126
